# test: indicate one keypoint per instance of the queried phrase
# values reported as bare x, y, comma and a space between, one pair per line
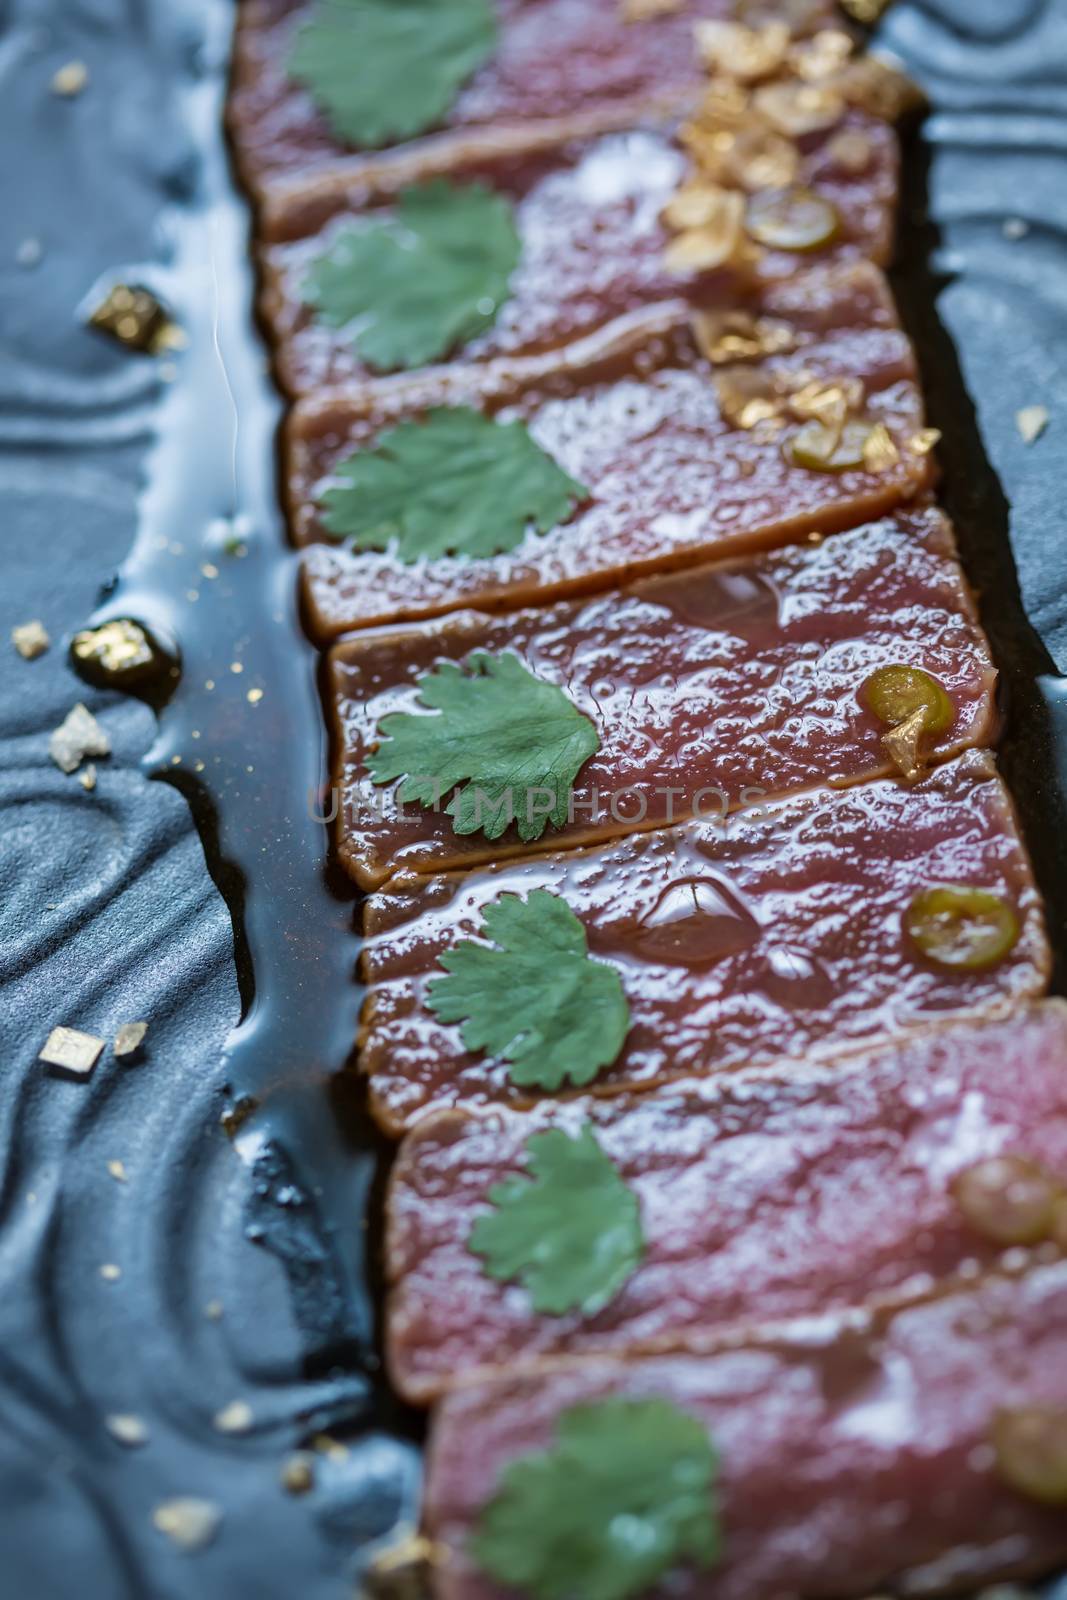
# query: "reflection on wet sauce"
739, 602
694, 923
797, 980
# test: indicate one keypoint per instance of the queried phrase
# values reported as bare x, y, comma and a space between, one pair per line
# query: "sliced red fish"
555, 59
745, 678
777, 932
672, 479
857, 1456
790, 1192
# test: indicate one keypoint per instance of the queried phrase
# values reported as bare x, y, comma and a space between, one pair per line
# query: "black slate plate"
112, 903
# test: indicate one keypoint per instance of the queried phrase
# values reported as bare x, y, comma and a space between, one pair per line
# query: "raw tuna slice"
555, 59
676, 466
766, 1195
593, 244
746, 678
901, 1453
777, 932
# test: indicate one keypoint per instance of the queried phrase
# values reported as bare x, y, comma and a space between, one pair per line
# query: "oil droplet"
739, 602
694, 923
796, 979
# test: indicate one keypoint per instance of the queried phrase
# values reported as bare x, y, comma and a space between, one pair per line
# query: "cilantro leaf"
623, 1496
390, 69
539, 1001
514, 743
453, 484
414, 286
571, 1233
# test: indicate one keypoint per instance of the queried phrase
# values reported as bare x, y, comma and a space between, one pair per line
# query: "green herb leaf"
383, 70
414, 286
539, 1001
453, 484
624, 1496
514, 743
571, 1233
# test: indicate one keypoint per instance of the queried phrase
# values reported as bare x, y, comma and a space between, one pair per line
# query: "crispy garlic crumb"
237, 1417
1031, 422
137, 319
903, 743
924, 441
118, 1171
30, 639
78, 735
646, 10
213, 1310
129, 1038
110, 1272
87, 779
879, 451
189, 1523
404, 1570
331, 1448
70, 80
298, 1473
72, 1050
724, 337
766, 91
127, 1429
116, 649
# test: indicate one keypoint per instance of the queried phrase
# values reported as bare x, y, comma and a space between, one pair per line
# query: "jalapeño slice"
897, 692
792, 219
960, 927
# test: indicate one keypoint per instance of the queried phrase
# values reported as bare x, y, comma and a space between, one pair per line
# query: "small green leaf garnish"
538, 1001
414, 286
454, 484
570, 1233
513, 742
385, 70
623, 1496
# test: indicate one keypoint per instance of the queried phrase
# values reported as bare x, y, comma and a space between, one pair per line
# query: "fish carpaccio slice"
555, 59
671, 479
856, 1455
763, 1196
592, 243
743, 678
775, 932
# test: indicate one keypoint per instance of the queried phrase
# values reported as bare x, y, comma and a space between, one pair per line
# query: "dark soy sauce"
241, 734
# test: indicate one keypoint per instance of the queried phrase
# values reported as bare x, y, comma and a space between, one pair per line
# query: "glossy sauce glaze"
593, 244
554, 59
763, 1196
744, 679
825, 876
855, 1451
672, 480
